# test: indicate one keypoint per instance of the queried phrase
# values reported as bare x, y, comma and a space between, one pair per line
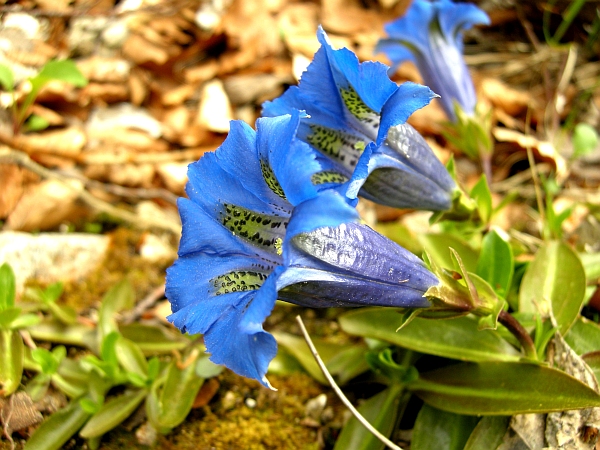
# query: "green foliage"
585, 140
119, 357
63, 70
436, 429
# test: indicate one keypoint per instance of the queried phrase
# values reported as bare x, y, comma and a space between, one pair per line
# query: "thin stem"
339, 392
519, 332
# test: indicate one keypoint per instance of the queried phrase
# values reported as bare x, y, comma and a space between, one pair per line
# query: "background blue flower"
255, 224
352, 104
430, 35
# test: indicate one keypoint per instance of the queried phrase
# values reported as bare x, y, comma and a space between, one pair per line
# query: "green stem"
519, 332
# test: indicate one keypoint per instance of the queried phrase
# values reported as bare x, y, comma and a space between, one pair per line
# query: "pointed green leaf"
441, 430
8, 316
584, 336
119, 297
112, 413
11, 361
154, 339
488, 433
36, 123
63, 70
177, 396
482, 195
502, 388
496, 262
53, 331
7, 287
343, 361
58, 428
7, 78
382, 411
591, 265
555, 281
25, 321
131, 357
454, 338
438, 246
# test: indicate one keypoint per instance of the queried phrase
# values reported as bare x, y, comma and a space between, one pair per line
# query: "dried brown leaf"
46, 205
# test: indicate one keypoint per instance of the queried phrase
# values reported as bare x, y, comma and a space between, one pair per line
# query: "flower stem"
519, 332
339, 392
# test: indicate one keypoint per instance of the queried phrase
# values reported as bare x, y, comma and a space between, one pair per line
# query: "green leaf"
205, 368
36, 123
585, 140
7, 287
488, 433
48, 361
502, 388
438, 246
64, 314
441, 430
175, 401
555, 281
63, 70
483, 197
131, 358
382, 411
496, 262
25, 321
342, 361
8, 316
7, 78
153, 339
119, 297
584, 336
77, 334
58, 428
11, 361
112, 413
454, 338
591, 264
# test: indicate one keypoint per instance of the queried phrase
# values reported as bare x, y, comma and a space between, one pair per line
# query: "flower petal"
456, 17
293, 168
411, 28
400, 105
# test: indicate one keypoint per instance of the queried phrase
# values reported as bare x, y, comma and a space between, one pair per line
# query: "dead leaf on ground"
46, 205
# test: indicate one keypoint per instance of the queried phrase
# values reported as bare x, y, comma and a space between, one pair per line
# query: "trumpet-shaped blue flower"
430, 35
352, 105
255, 224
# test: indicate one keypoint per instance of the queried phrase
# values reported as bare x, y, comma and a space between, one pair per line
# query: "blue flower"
255, 224
430, 35
352, 105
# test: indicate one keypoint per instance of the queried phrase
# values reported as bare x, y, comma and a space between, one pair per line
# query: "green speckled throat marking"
271, 180
238, 281
343, 147
261, 230
358, 108
328, 176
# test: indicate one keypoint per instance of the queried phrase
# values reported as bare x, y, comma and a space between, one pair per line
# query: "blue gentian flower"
255, 224
352, 105
430, 35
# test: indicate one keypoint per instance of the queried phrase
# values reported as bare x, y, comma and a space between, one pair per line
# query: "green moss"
122, 261
274, 423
